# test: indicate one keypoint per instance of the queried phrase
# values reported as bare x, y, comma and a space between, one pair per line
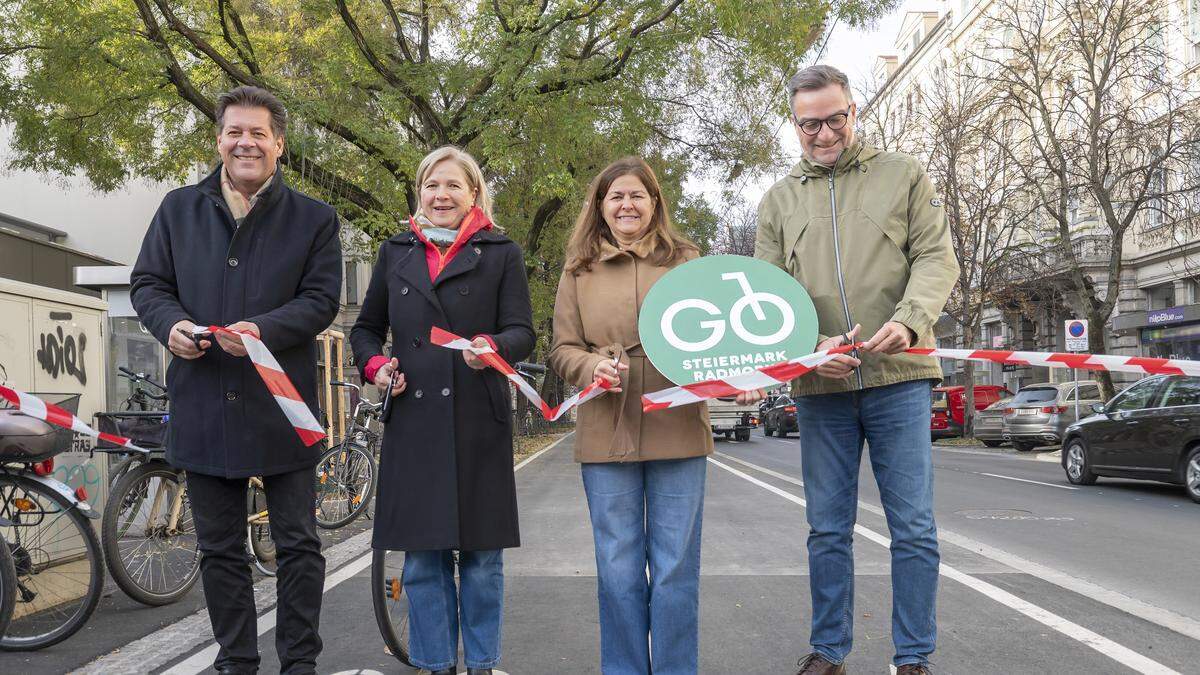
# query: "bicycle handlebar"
139, 377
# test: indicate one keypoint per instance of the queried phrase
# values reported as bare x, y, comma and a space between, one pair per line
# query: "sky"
852, 51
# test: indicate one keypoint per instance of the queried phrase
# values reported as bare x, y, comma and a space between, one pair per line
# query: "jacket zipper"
837, 257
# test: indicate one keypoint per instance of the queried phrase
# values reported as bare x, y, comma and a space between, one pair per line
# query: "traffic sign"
724, 315
1077, 335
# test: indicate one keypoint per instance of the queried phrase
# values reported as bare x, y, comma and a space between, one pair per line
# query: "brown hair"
590, 227
253, 97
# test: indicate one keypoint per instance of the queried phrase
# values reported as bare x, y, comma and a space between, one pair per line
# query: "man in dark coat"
243, 250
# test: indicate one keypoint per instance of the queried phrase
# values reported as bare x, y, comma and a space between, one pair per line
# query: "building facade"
1158, 310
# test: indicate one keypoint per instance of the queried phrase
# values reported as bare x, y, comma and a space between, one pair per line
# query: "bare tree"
1102, 116
883, 121
735, 233
960, 129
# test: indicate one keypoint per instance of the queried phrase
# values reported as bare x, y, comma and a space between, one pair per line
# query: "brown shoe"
914, 669
815, 664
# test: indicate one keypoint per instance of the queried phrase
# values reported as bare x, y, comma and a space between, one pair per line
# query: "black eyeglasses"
813, 127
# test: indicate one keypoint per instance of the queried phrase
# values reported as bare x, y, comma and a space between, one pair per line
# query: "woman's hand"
751, 397
473, 361
609, 371
383, 377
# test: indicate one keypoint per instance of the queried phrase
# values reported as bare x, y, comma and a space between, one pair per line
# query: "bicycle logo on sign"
716, 327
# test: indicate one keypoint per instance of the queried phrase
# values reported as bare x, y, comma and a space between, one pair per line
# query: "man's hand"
473, 361
233, 344
383, 377
183, 346
842, 365
893, 338
751, 397
608, 372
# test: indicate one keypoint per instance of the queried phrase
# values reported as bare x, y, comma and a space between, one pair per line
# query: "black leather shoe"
446, 671
479, 671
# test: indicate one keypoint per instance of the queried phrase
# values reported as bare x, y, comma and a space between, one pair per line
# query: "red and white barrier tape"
278, 383
447, 339
48, 412
781, 373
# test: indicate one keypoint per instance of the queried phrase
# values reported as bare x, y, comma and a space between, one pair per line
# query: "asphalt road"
1038, 577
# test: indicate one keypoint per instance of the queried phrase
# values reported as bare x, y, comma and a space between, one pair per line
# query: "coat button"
231, 395
464, 290
478, 251
446, 392
404, 291
416, 343
233, 262
418, 393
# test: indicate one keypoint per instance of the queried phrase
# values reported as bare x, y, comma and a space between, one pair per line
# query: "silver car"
988, 426
1040, 413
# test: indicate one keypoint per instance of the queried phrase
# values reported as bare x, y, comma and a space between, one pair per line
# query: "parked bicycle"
148, 535
347, 473
146, 395
55, 553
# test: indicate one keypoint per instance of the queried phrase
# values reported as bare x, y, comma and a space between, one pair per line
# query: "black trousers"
219, 510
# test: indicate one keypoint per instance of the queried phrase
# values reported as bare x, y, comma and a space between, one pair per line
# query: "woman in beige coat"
643, 474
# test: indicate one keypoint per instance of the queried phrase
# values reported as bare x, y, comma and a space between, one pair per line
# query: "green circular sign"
722, 315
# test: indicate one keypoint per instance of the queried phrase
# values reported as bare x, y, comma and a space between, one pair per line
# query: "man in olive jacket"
865, 233
241, 249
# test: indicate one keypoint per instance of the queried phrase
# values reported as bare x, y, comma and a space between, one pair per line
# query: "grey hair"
813, 78
253, 97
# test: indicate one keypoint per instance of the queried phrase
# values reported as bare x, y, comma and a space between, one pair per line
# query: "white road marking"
147, 653
539, 453
1101, 644
1025, 480
1165, 618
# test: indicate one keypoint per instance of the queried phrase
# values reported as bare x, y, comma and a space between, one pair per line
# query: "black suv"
780, 417
1150, 431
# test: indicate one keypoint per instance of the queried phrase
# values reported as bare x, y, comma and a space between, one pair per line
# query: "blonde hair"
590, 227
470, 167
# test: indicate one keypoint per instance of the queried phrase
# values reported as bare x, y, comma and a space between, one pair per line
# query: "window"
1089, 392
916, 40
1035, 395
1193, 20
1136, 397
1160, 297
1182, 391
352, 283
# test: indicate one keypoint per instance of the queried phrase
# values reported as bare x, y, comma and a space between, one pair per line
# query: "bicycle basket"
145, 429
28, 439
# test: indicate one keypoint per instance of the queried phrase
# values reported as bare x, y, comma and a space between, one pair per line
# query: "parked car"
1040, 413
1150, 431
780, 418
989, 424
950, 405
731, 420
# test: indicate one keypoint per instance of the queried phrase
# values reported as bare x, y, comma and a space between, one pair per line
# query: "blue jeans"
648, 514
435, 605
894, 421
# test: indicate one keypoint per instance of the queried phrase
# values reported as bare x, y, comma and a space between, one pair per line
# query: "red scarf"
473, 222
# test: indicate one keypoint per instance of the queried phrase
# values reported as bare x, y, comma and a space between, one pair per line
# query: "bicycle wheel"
8, 585
258, 531
118, 471
57, 560
391, 607
346, 479
151, 552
